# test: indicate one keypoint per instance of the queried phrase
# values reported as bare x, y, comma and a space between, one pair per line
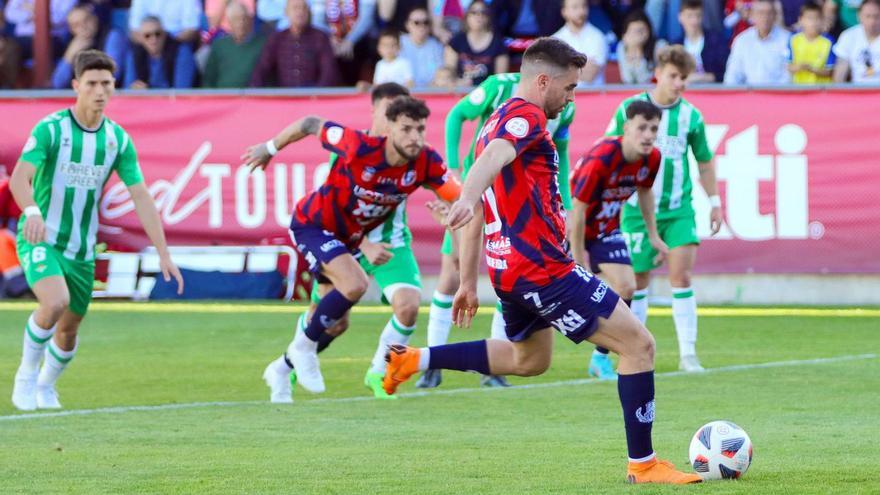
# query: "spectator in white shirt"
180, 18
759, 55
392, 67
585, 38
858, 48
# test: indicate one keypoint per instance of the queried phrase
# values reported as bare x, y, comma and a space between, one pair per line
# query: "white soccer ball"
720, 450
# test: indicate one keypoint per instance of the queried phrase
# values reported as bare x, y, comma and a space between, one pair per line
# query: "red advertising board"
797, 171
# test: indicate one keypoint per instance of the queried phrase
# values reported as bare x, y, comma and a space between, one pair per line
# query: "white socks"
301, 343
394, 333
424, 358
639, 305
34, 344
498, 332
439, 319
684, 313
56, 361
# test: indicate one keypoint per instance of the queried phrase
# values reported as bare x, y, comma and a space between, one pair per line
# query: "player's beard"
402, 152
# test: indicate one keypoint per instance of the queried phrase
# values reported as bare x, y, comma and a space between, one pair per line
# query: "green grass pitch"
814, 424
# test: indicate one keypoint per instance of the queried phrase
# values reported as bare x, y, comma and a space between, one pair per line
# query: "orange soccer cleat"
658, 471
403, 362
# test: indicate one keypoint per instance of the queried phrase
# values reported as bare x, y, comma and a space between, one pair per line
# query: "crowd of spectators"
441, 43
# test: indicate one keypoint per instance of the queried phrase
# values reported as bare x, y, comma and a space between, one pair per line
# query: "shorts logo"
569, 322
600, 292
368, 174
477, 96
331, 245
334, 135
517, 126
648, 415
40, 268
327, 322
29, 145
408, 179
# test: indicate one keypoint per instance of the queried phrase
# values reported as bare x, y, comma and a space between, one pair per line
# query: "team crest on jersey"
408, 179
334, 135
642, 175
477, 96
368, 173
517, 126
29, 145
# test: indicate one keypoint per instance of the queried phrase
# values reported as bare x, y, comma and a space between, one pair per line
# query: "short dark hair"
554, 52
810, 7
92, 60
408, 106
389, 33
691, 5
644, 108
866, 2
387, 90
679, 57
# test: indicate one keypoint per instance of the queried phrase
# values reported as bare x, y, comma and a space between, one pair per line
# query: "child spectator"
810, 58
392, 67
710, 50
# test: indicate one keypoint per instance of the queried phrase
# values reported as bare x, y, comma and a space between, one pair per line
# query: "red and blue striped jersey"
362, 189
604, 181
525, 222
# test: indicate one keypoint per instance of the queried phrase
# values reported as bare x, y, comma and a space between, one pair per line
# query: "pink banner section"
797, 170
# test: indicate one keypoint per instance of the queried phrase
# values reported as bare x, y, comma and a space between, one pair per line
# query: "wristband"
270, 147
715, 201
32, 210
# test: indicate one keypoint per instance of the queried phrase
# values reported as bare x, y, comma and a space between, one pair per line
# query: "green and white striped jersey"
395, 230
681, 128
73, 165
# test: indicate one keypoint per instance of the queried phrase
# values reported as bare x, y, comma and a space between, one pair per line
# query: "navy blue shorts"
571, 305
318, 246
609, 249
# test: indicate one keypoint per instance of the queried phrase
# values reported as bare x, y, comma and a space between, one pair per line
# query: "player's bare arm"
646, 205
22, 190
577, 220
259, 155
149, 217
709, 182
466, 303
496, 156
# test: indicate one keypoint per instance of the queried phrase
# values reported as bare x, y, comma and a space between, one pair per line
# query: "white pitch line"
455, 391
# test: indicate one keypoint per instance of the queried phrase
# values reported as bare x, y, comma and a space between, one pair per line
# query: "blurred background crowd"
440, 43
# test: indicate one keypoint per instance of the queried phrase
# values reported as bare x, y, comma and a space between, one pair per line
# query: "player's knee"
626, 289
407, 311
680, 278
532, 368
355, 287
56, 307
645, 346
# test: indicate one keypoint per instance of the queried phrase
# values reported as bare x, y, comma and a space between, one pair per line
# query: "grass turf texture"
810, 423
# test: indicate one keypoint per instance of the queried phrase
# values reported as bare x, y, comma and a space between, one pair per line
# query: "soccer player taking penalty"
539, 285
58, 183
681, 128
373, 176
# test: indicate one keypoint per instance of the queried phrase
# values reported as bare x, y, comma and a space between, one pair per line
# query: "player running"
387, 256
479, 104
58, 183
603, 180
373, 175
539, 285
681, 127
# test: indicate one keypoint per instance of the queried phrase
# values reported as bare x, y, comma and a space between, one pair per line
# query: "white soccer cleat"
24, 392
279, 385
690, 364
47, 398
308, 368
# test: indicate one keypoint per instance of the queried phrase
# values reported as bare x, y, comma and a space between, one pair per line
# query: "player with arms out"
373, 176
478, 105
539, 285
603, 180
681, 128
58, 183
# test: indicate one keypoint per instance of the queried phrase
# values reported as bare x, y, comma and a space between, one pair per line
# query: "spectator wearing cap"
180, 18
21, 14
159, 60
759, 55
858, 48
424, 52
585, 38
300, 56
85, 35
709, 49
233, 58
